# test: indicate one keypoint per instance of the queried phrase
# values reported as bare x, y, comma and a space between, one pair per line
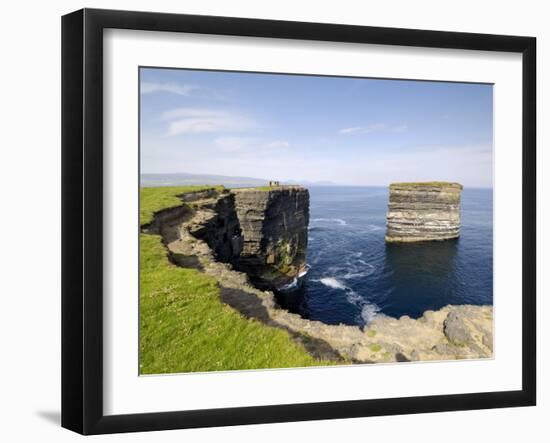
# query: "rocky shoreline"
195, 237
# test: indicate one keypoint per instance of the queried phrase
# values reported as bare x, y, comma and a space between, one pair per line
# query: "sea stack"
423, 211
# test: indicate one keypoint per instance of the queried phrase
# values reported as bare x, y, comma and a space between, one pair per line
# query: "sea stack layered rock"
273, 223
423, 212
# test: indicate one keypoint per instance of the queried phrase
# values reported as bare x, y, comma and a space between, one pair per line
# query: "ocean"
354, 275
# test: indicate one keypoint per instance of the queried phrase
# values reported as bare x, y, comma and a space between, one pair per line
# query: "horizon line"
310, 182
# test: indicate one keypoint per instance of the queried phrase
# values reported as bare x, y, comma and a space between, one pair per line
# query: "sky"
347, 131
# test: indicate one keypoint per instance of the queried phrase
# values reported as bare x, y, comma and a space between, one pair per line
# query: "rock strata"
274, 225
453, 332
423, 212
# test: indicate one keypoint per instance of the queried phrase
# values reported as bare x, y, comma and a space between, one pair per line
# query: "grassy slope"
184, 327
157, 198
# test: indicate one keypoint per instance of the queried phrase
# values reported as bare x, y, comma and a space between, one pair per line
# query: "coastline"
453, 332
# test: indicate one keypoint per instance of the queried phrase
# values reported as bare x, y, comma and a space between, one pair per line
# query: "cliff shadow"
186, 261
251, 306
220, 228
420, 276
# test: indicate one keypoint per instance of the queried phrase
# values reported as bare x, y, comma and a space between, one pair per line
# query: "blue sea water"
354, 274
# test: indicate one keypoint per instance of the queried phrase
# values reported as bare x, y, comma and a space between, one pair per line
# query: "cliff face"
215, 221
259, 231
274, 225
423, 211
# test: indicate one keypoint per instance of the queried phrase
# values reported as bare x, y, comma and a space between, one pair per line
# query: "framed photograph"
268, 221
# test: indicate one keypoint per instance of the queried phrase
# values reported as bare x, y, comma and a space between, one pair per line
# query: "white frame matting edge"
125, 392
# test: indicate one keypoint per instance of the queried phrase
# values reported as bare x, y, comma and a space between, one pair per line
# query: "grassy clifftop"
152, 200
434, 184
184, 326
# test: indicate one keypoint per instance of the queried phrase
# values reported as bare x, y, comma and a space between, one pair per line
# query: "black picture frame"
82, 218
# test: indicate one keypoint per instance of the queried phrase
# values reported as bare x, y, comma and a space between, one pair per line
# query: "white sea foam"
352, 271
375, 227
340, 221
331, 282
304, 272
353, 297
368, 312
290, 285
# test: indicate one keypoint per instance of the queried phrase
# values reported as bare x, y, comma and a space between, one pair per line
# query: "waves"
338, 221
305, 271
289, 286
295, 283
344, 272
341, 277
356, 276
353, 268
368, 310
331, 282
351, 272
340, 266
320, 224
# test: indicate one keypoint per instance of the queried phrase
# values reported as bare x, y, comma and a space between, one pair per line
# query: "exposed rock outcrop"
423, 211
453, 332
260, 231
274, 225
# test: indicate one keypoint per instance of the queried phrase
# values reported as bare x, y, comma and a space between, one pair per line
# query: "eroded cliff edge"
259, 231
274, 224
206, 233
423, 212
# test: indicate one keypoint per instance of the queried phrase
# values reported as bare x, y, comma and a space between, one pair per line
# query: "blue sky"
307, 128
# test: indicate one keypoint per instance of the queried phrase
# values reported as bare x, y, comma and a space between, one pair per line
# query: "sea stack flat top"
423, 211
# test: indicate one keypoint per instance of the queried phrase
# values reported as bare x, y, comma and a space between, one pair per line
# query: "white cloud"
172, 88
198, 121
374, 127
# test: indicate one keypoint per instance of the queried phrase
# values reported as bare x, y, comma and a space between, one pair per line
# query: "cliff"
259, 231
214, 225
274, 225
423, 211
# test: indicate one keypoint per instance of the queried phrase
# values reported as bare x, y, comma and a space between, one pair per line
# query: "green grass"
265, 188
435, 183
375, 347
184, 326
162, 197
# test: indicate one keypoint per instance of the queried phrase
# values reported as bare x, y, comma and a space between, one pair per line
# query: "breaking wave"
338, 221
295, 283
331, 282
304, 272
289, 286
368, 310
